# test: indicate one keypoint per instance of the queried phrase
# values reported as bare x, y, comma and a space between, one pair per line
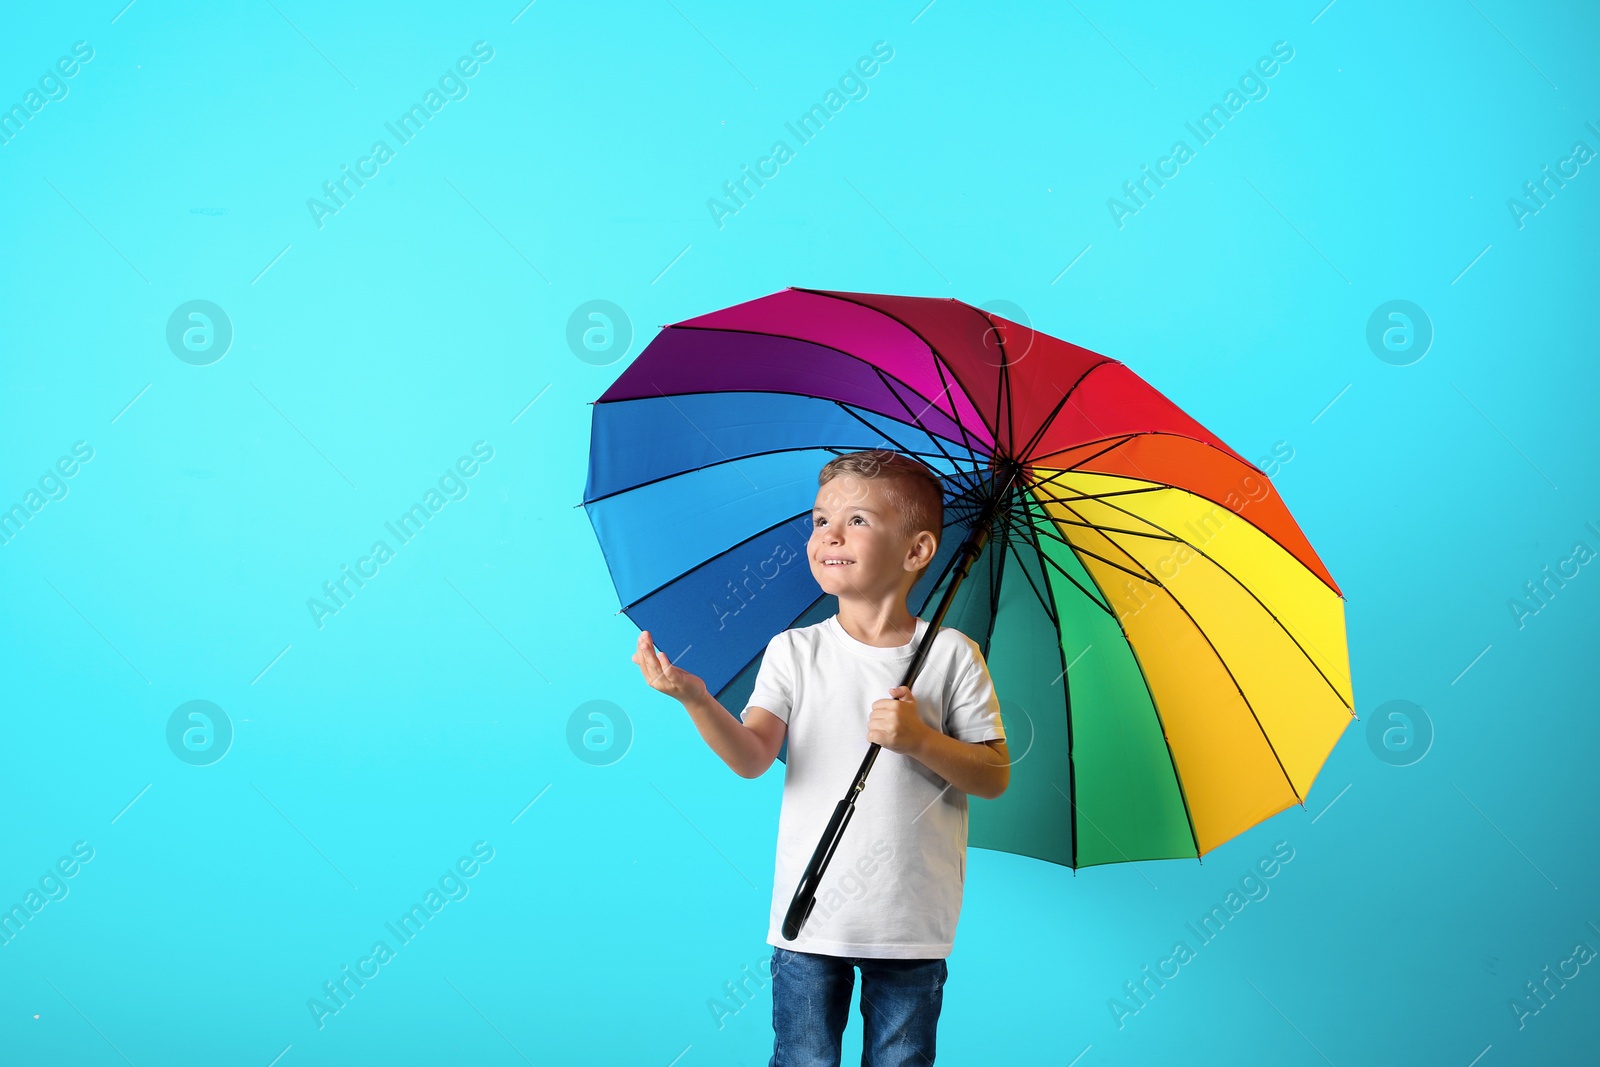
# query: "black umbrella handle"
805, 893
805, 897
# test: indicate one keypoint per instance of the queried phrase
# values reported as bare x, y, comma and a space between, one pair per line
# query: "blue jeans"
900, 1002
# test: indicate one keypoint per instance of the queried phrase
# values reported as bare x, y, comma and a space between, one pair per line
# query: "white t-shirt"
893, 887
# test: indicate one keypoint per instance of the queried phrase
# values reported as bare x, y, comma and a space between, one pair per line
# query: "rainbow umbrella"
1168, 650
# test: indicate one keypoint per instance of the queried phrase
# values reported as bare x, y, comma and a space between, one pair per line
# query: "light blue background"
432, 310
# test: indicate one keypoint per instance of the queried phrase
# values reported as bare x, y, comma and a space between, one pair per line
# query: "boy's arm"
747, 747
982, 768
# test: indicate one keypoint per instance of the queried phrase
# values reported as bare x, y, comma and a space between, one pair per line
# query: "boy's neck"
889, 624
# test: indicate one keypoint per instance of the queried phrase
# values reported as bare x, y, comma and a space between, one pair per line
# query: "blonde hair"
912, 487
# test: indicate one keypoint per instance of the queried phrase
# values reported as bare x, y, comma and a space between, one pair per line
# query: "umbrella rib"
731, 548
971, 495
916, 420
931, 436
1046, 599
733, 459
1105, 495
1054, 614
1003, 388
1044, 424
1061, 472
996, 572
1223, 663
1142, 575
940, 368
1044, 602
1111, 563
1156, 486
1251, 593
1066, 688
1117, 442
939, 360
1033, 529
1005, 384
988, 635
1055, 479
808, 341
1103, 528
850, 409
1124, 438
712, 559
1144, 677
1153, 487
898, 447
951, 562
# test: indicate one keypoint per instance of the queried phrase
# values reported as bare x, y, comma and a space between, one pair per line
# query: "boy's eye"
819, 520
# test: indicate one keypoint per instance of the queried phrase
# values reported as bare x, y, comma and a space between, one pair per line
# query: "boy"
891, 895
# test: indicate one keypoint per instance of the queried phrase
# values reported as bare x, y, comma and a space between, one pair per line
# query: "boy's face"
855, 521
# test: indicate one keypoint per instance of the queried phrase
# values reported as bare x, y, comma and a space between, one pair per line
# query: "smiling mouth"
837, 562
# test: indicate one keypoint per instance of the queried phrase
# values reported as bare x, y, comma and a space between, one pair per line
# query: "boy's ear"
923, 547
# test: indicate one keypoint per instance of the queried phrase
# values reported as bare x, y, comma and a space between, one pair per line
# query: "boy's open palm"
662, 675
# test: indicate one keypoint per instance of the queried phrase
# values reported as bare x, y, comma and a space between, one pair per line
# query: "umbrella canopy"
1168, 650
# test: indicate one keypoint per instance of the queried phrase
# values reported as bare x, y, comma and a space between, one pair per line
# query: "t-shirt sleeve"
774, 688
973, 710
